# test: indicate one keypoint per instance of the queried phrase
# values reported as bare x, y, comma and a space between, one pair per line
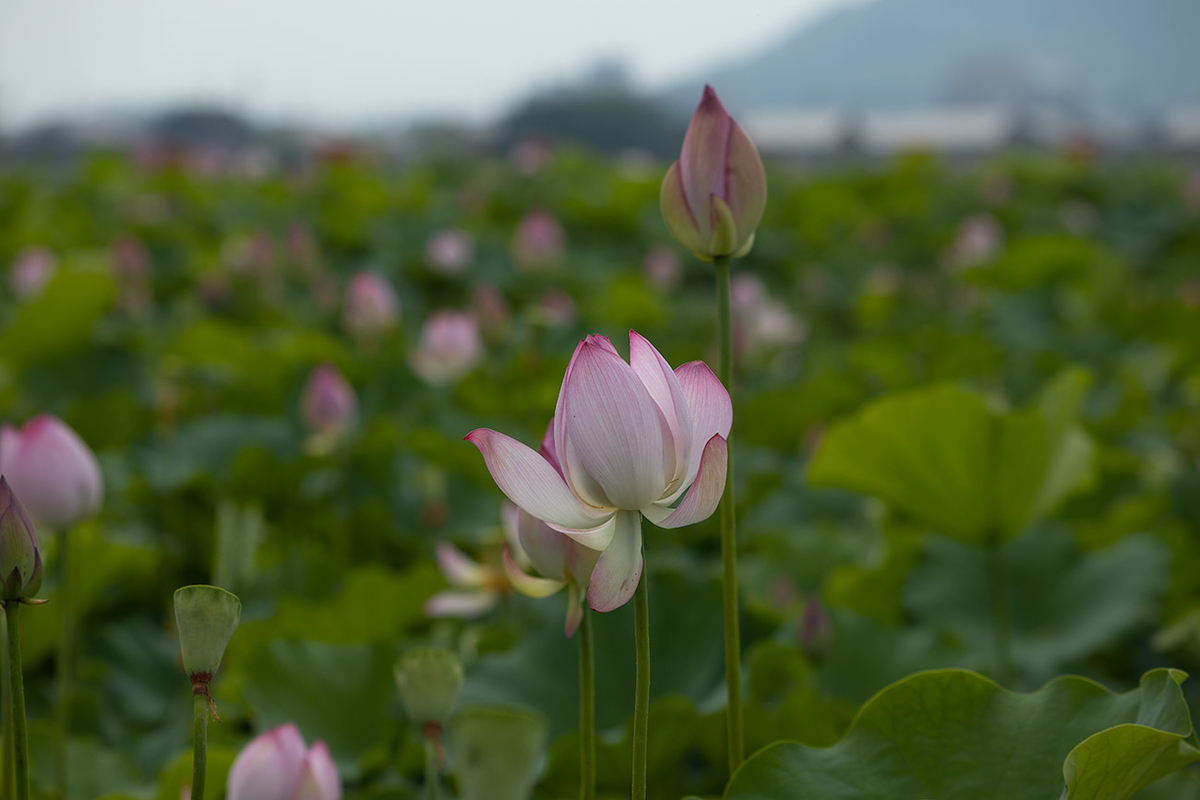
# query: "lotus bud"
815, 631
20, 558
449, 251
53, 470
328, 404
206, 617
429, 679
450, 347
713, 197
371, 307
497, 752
30, 273
276, 765
539, 240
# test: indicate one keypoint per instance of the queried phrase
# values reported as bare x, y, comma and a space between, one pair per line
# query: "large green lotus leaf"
95, 768
1065, 604
923, 452
60, 319
953, 734
940, 455
340, 693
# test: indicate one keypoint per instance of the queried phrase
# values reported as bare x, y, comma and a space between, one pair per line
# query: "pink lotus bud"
449, 347
539, 240
56, 475
20, 557
30, 273
449, 251
713, 197
276, 766
662, 268
328, 404
371, 306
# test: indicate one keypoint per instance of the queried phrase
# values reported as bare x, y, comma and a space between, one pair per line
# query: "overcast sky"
351, 61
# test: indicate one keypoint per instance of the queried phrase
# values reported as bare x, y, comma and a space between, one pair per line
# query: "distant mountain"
1130, 57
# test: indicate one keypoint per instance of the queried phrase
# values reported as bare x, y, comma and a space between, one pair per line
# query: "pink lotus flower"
328, 404
478, 588
276, 765
629, 440
449, 347
761, 323
29, 274
52, 470
539, 240
713, 197
449, 251
371, 306
561, 561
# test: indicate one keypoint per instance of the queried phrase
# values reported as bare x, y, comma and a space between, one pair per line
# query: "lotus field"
553, 476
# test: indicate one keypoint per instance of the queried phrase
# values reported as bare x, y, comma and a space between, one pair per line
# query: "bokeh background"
1004, 196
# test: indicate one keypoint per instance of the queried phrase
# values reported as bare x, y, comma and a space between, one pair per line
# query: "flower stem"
6, 750
63, 662
432, 768
1001, 623
200, 703
733, 643
641, 698
587, 710
17, 684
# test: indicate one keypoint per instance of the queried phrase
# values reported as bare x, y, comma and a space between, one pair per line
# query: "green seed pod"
497, 752
206, 616
430, 679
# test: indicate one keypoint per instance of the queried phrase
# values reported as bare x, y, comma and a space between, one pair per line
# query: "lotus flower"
276, 765
713, 197
328, 404
52, 469
629, 440
449, 251
539, 240
30, 273
20, 556
371, 307
478, 588
449, 347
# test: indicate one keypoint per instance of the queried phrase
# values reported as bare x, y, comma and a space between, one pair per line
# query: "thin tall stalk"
729, 593
433, 761
200, 704
587, 709
641, 699
64, 664
6, 735
17, 690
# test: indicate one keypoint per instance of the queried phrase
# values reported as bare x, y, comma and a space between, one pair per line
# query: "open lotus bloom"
562, 561
277, 765
478, 588
629, 440
713, 197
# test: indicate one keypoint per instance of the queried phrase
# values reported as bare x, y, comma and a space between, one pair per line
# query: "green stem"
199, 743
432, 769
17, 684
6, 750
64, 662
1001, 613
641, 698
729, 590
587, 710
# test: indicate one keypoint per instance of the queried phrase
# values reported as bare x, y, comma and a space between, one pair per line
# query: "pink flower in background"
371, 307
761, 322
559, 559
539, 240
131, 268
478, 588
630, 439
450, 347
52, 470
713, 197
33, 268
276, 765
662, 267
491, 310
328, 404
556, 308
815, 631
449, 251
979, 239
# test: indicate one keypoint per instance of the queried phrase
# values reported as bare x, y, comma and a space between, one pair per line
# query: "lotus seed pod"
497, 752
429, 679
206, 617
